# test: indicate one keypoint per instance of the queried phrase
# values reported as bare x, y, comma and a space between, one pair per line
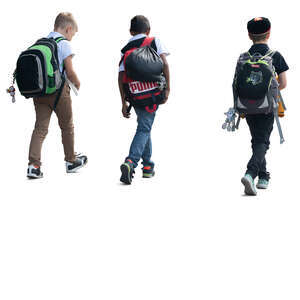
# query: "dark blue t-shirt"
278, 61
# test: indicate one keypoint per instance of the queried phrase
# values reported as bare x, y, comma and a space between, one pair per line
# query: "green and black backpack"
37, 73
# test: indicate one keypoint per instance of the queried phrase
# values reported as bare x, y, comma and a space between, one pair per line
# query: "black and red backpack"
144, 82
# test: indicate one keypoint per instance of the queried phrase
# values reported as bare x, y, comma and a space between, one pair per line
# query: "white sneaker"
34, 172
262, 184
248, 182
80, 161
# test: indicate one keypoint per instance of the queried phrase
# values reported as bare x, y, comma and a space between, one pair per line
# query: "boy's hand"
166, 72
77, 85
124, 111
70, 72
167, 92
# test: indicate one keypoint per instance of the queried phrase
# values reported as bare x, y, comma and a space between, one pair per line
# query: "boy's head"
139, 24
259, 29
66, 25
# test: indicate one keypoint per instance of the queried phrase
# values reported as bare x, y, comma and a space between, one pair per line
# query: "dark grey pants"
261, 127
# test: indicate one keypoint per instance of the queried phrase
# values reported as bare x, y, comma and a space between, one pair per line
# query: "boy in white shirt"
65, 28
141, 146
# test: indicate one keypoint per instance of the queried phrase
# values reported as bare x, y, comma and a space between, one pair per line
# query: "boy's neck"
59, 31
135, 33
261, 42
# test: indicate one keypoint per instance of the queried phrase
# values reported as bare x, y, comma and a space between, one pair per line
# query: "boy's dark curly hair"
139, 24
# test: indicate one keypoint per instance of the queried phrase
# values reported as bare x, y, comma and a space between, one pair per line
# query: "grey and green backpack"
255, 87
37, 72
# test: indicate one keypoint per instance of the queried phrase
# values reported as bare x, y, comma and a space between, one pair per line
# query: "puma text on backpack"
255, 87
37, 72
143, 80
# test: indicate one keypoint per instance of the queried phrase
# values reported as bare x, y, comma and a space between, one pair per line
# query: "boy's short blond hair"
258, 37
64, 19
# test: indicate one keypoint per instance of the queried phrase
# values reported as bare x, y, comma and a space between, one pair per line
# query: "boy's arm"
122, 93
282, 80
166, 72
70, 72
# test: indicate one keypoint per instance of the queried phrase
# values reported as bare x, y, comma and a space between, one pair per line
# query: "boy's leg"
263, 174
141, 139
43, 114
148, 165
260, 127
146, 156
65, 119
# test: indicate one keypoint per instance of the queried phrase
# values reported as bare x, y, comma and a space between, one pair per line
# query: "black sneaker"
127, 170
148, 172
80, 161
34, 172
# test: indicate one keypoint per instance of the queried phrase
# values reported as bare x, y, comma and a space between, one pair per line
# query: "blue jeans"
141, 146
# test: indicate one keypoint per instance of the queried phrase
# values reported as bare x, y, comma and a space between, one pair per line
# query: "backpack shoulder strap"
245, 55
270, 53
149, 41
153, 44
133, 44
59, 39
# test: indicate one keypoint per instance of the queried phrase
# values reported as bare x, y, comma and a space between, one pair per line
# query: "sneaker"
262, 184
34, 172
127, 170
248, 182
80, 161
148, 172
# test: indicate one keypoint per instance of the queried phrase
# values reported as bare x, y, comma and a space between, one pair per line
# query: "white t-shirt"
63, 48
161, 49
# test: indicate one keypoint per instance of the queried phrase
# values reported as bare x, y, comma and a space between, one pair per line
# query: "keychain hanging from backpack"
11, 90
229, 123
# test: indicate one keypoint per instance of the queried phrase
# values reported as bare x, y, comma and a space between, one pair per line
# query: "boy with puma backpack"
144, 84
41, 74
256, 93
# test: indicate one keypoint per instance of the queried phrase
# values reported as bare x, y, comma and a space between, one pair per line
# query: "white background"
188, 233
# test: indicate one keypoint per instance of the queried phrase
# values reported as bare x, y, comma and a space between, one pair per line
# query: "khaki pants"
44, 108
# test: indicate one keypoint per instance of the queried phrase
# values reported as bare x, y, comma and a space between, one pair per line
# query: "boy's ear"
147, 32
69, 28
